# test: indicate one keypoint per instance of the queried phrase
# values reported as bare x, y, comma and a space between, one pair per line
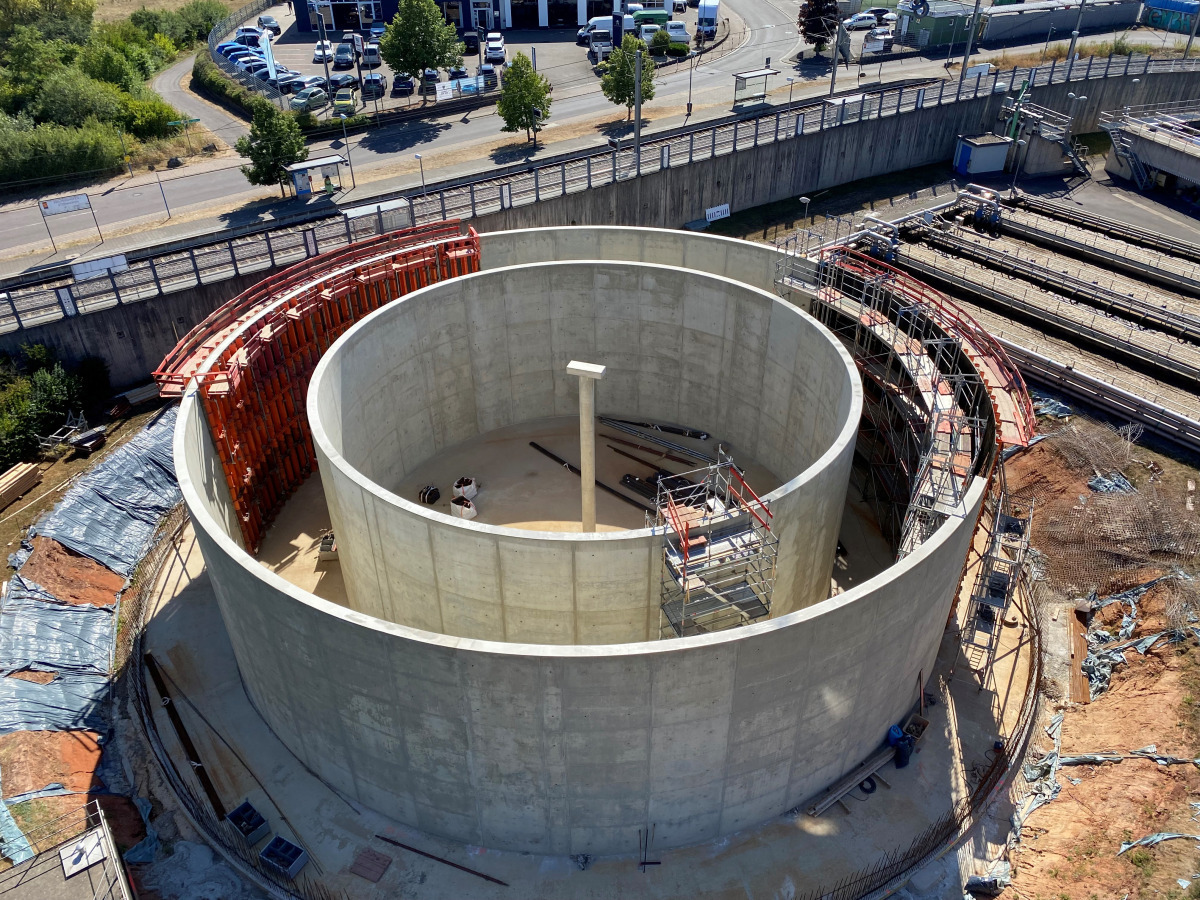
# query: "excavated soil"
31, 760
70, 577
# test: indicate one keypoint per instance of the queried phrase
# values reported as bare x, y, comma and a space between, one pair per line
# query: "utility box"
250, 823
981, 154
284, 857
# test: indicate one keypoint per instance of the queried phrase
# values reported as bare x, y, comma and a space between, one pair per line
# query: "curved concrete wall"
465, 357
573, 749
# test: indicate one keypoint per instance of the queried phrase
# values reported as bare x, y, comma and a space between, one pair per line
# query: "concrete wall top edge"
845, 436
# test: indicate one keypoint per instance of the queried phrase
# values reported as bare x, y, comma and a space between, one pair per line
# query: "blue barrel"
895, 735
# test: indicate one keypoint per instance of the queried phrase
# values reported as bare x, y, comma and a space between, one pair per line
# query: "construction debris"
1151, 839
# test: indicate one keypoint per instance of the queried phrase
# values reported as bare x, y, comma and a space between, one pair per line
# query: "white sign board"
872, 46
445, 91
93, 267
64, 205
717, 212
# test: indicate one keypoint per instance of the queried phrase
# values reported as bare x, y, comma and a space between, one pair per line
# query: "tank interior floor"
522, 488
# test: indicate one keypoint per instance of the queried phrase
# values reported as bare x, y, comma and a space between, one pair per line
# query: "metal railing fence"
29, 306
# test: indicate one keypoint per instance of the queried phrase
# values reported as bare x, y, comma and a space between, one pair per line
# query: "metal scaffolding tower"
999, 573
719, 551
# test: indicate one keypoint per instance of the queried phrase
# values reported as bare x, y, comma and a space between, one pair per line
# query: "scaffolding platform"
718, 551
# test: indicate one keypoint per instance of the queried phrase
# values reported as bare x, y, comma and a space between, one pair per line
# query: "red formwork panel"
254, 362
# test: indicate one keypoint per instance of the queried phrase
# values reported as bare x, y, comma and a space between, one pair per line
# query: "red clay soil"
70, 577
31, 760
35, 677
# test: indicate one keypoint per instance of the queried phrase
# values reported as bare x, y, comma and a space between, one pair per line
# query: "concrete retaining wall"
573, 749
463, 358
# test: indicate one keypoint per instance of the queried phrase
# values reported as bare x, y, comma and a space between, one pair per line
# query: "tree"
419, 38
818, 22
274, 142
618, 79
523, 91
68, 97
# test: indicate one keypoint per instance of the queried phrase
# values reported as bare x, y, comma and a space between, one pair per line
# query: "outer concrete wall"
573, 749
465, 357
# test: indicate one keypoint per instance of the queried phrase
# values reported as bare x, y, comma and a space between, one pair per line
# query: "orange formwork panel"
253, 389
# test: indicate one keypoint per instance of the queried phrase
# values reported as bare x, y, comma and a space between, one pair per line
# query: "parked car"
403, 85
345, 102
377, 29
495, 52
268, 23
374, 85
228, 47
309, 99
679, 33
249, 40
859, 21
881, 34
490, 78
290, 83
882, 14
344, 80
678, 6
456, 73
371, 58
322, 52
252, 65
646, 33
237, 56
470, 41
307, 81
344, 56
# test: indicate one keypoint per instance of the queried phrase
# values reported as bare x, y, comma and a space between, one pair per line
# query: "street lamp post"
424, 190
346, 141
1071, 107
791, 83
537, 116
1047, 44
806, 201
324, 50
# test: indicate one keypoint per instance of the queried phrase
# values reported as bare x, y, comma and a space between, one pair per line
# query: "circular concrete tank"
574, 740
487, 351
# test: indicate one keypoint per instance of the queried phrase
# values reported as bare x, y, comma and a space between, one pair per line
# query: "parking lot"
555, 51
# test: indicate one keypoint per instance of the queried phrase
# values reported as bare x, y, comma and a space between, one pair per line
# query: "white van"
581, 36
647, 32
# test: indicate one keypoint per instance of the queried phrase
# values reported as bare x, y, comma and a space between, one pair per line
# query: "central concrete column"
589, 374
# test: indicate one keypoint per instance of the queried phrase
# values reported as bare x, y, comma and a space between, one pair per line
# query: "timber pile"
17, 480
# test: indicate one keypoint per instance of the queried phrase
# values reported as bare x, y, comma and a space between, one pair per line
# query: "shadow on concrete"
406, 137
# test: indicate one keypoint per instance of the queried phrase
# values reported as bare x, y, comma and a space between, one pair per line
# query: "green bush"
34, 404
184, 27
306, 119
660, 42
214, 82
69, 97
147, 118
677, 49
37, 151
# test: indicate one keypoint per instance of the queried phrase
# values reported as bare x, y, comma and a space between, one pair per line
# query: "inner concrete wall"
463, 358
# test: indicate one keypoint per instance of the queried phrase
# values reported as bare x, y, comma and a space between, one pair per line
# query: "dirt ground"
32, 760
70, 577
1069, 846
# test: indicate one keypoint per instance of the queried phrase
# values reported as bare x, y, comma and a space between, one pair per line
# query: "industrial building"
689, 669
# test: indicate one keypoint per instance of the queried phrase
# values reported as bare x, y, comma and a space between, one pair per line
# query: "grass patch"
1057, 53
1189, 706
1142, 860
34, 814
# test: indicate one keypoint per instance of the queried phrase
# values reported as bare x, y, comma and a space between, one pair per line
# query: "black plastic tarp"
68, 703
38, 632
111, 514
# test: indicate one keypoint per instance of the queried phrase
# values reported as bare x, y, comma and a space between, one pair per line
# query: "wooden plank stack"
17, 480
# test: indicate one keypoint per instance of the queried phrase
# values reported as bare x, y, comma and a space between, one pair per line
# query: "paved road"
142, 202
224, 125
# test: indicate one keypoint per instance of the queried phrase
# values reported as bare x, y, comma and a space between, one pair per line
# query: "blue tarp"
110, 516
68, 703
1187, 7
14, 846
40, 633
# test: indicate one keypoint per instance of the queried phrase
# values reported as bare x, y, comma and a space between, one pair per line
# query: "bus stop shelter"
315, 176
750, 87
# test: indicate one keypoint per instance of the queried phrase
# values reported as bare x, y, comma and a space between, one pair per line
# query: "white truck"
706, 18
600, 45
